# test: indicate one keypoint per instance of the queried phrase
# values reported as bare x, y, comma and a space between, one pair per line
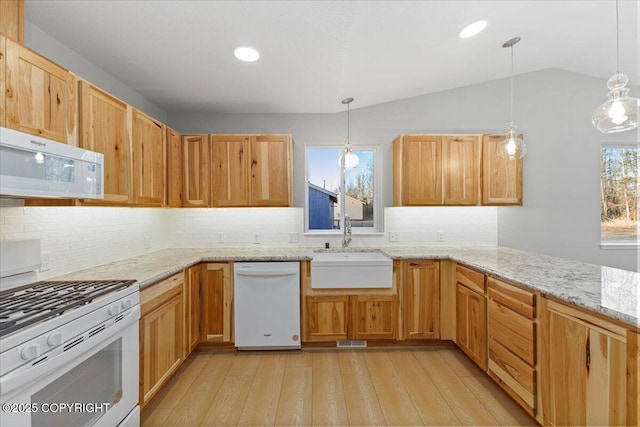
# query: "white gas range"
68, 349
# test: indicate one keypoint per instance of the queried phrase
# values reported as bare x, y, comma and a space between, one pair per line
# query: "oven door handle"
58, 358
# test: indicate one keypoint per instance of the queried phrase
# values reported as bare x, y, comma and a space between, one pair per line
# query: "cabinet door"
230, 170
196, 174
374, 316
103, 128
148, 160
12, 19
3, 79
216, 303
501, 177
327, 318
421, 289
271, 170
421, 170
461, 169
40, 96
174, 169
161, 336
471, 324
193, 307
587, 370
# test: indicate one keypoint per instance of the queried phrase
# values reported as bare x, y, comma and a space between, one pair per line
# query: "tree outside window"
619, 195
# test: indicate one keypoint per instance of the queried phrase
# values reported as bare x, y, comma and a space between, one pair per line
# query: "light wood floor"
430, 386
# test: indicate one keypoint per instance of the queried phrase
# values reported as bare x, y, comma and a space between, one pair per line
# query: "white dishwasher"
267, 305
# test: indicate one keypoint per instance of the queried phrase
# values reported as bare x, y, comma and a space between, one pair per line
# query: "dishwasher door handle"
267, 273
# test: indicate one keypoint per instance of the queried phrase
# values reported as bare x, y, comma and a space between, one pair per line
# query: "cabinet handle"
588, 355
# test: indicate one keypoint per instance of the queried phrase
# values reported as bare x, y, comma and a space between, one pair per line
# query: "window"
323, 197
619, 196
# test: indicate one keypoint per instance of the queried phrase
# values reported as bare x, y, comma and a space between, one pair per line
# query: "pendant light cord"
348, 120
617, 41
511, 83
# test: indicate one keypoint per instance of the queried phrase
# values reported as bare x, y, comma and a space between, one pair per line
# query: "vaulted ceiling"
179, 54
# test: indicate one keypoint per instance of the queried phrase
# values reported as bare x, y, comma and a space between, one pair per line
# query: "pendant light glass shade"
513, 146
348, 159
620, 112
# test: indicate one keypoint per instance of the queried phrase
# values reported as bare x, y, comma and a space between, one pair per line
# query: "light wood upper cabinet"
587, 374
104, 128
161, 334
252, 170
501, 177
461, 169
417, 170
271, 170
40, 96
421, 290
230, 170
197, 170
174, 168
216, 303
148, 159
12, 19
3, 79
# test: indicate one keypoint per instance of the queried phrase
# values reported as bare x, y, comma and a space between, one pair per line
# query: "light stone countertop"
609, 291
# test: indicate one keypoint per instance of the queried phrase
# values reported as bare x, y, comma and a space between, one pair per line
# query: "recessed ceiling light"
247, 54
473, 29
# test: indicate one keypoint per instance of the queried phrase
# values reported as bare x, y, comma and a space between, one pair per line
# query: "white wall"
560, 216
82, 237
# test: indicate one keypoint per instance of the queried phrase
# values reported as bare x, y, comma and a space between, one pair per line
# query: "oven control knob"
55, 339
126, 304
114, 309
30, 351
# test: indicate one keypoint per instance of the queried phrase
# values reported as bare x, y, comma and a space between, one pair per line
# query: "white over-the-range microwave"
31, 166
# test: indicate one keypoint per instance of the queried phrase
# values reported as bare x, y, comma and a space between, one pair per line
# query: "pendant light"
348, 159
620, 112
512, 147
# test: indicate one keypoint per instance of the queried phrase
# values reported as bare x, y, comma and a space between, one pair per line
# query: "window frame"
617, 244
378, 222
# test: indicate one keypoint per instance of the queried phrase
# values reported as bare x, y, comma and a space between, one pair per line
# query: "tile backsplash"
82, 237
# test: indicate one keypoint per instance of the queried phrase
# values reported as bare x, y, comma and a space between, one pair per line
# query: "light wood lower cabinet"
471, 317
330, 315
589, 374
216, 303
374, 316
161, 334
512, 341
327, 318
421, 296
192, 304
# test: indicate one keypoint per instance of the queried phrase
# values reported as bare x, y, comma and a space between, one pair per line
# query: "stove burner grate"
26, 305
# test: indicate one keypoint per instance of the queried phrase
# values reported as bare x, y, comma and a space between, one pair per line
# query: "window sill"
620, 245
339, 233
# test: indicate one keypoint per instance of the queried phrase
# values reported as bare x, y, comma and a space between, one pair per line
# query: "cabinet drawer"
470, 278
517, 299
514, 375
515, 332
154, 295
